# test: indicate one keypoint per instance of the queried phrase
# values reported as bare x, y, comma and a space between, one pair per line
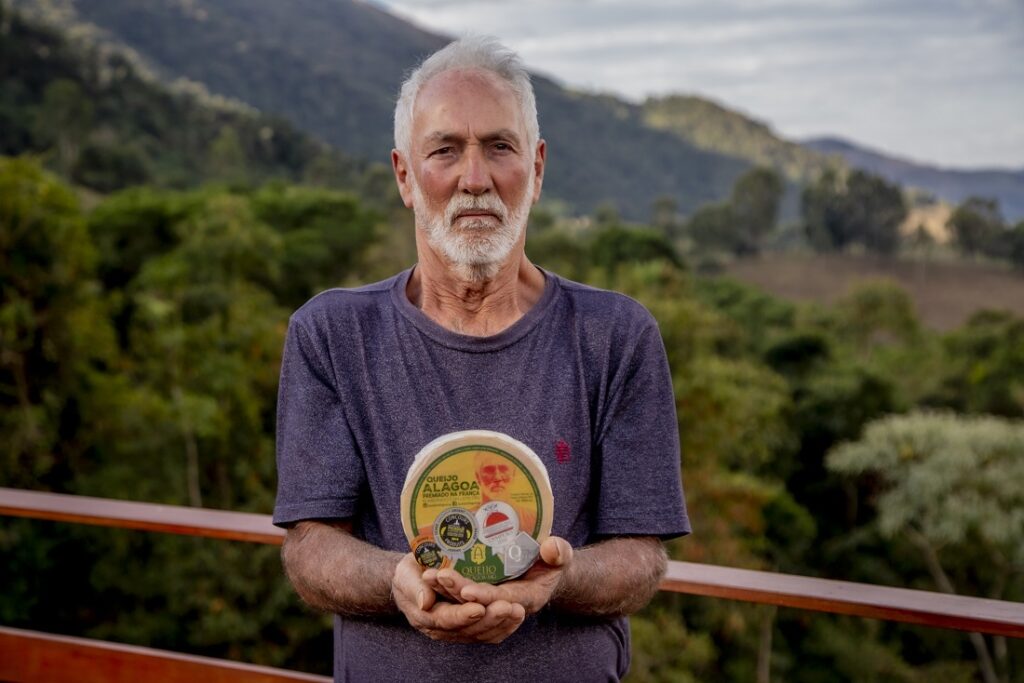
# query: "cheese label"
455, 530
480, 499
429, 554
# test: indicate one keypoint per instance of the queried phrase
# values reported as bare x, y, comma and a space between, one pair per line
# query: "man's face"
494, 475
472, 172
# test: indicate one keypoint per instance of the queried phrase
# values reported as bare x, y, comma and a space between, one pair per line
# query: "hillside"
945, 294
95, 119
333, 69
949, 184
713, 127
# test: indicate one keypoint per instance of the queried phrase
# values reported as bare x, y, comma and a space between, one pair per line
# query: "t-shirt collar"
464, 342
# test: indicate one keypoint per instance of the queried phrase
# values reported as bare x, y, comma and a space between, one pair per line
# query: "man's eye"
442, 151
502, 147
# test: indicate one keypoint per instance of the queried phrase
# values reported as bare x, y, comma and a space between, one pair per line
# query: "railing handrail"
124, 514
926, 608
997, 617
34, 656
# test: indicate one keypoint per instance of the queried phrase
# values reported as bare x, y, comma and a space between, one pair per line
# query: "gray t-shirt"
367, 380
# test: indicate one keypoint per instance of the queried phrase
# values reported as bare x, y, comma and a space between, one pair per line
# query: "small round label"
455, 529
497, 523
428, 554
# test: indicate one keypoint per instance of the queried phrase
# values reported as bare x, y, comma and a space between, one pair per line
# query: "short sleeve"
640, 485
319, 471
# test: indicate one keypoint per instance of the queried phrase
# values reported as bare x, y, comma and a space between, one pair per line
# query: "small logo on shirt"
562, 452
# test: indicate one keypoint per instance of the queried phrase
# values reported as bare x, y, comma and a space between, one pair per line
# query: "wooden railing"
822, 595
27, 657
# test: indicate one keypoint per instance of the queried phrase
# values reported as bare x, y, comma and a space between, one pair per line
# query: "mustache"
465, 203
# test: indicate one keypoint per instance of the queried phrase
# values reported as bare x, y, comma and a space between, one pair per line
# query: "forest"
143, 312
141, 342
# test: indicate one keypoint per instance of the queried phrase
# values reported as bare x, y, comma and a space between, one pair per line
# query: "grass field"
945, 293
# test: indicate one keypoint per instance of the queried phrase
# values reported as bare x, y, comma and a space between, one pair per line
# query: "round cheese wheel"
481, 499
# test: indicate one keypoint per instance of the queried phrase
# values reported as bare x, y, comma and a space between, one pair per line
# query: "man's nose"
476, 174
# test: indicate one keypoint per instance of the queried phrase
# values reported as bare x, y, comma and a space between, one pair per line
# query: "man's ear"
539, 158
402, 178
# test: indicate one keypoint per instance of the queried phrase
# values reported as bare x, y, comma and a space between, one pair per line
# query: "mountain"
949, 184
715, 128
333, 67
94, 118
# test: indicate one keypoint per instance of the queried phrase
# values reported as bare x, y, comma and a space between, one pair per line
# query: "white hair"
475, 250
472, 52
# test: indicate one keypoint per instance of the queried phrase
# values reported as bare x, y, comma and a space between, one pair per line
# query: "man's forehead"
460, 96
458, 79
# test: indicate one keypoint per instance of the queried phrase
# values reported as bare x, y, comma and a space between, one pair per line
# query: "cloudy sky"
940, 81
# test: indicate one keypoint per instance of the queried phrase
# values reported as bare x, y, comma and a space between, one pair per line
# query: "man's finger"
501, 621
408, 588
485, 593
452, 583
451, 617
555, 551
425, 599
446, 582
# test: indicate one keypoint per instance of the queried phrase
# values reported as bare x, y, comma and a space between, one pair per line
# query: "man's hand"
611, 578
531, 591
459, 622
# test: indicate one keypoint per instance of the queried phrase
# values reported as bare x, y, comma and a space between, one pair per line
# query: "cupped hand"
468, 622
532, 590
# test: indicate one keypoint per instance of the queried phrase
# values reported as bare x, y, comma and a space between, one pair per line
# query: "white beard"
475, 249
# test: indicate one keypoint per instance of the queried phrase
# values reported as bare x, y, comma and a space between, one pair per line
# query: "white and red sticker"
497, 524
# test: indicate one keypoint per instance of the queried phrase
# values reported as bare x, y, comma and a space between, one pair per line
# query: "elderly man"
474, 336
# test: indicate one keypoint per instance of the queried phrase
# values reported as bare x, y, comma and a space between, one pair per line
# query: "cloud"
940, 82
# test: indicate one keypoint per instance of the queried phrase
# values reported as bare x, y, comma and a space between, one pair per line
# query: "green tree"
665, 651
613, 246
823, 208
64, 120
984, 366
741, 224
204, 294
755, 207
976, 225
227, 159
607, 215
133, 226
875, 209
878, 312
52, 326
665, 217
954, 488
324, 236
1015, 246
860, 209
109, 167
559, 252
713, 228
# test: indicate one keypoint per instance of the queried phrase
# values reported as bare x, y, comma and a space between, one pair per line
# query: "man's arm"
333, 571
610, 578
614, 577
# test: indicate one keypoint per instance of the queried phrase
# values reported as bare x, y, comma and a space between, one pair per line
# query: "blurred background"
822, 204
